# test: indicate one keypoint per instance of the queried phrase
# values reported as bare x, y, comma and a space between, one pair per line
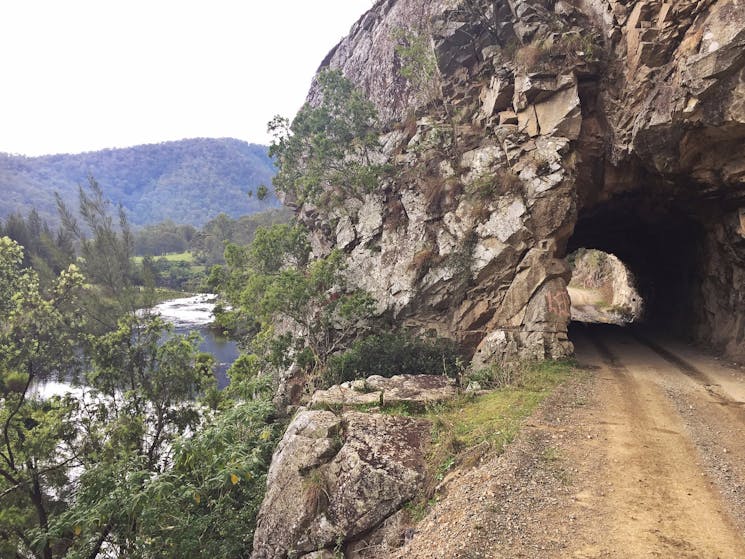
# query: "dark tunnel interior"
660, 244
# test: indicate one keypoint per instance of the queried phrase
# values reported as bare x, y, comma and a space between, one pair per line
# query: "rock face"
336, 478
611, 124
371, 45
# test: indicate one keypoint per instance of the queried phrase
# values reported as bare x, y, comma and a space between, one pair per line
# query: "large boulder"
334, 478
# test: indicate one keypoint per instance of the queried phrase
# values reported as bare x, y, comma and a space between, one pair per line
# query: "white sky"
81, 75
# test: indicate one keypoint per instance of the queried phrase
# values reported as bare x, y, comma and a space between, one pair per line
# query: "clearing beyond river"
643, 458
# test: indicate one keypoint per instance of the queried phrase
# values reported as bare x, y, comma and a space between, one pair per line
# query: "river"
195, 314
186, 314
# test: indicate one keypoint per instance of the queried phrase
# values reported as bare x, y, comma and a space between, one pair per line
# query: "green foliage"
489, 186
418, 62
271, 282
189, 181
327, 151
47, 250
163, 238
98, 472
105, 256
277, 246
206, 505
208, 245
495, 376
262, 192
394, 353
492, 420
173, 271
39, 338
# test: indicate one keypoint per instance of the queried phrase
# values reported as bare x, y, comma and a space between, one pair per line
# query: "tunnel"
661, 244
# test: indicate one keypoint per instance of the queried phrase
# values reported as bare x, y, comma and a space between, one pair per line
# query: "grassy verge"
466, 429
469, 427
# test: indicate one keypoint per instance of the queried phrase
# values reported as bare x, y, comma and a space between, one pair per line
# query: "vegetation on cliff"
327, 153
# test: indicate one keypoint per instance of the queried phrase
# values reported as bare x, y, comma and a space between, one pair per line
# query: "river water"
186, 314
195, 314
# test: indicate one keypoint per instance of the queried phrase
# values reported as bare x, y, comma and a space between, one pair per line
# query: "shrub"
495, 376
394, 353
422, 262
491, 185
575, 45
418, 63
328, 146
533, 55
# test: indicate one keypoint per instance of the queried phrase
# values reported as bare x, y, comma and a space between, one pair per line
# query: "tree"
98, 472
48, 252
106, 256
328, 152
299, 310
75, 471
206, 504
209, 244
39, 339
143, 396
418, 63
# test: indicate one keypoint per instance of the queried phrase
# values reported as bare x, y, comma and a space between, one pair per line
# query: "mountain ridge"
187, 181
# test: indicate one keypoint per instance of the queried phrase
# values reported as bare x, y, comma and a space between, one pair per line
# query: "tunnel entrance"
602, 289
661, 245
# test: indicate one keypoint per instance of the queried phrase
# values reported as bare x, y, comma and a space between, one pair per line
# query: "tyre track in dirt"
662, 500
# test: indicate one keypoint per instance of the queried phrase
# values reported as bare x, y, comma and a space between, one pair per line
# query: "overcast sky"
85, 75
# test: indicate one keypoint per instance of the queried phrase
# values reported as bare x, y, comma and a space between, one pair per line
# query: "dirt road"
592, 305
673, 444
646, 458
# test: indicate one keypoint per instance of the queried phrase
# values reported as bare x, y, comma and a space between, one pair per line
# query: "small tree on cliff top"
418, 62
327, 151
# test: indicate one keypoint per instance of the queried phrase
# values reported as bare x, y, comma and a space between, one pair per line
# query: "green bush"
495, 376
394, 353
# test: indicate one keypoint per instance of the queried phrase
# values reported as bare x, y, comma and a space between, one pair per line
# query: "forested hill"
188, 181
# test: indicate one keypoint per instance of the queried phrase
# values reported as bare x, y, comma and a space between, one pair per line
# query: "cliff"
554, 125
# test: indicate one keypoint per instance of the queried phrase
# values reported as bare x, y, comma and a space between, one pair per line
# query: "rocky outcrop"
335, 479
609, 124
412, 390
371, 45
554, 123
